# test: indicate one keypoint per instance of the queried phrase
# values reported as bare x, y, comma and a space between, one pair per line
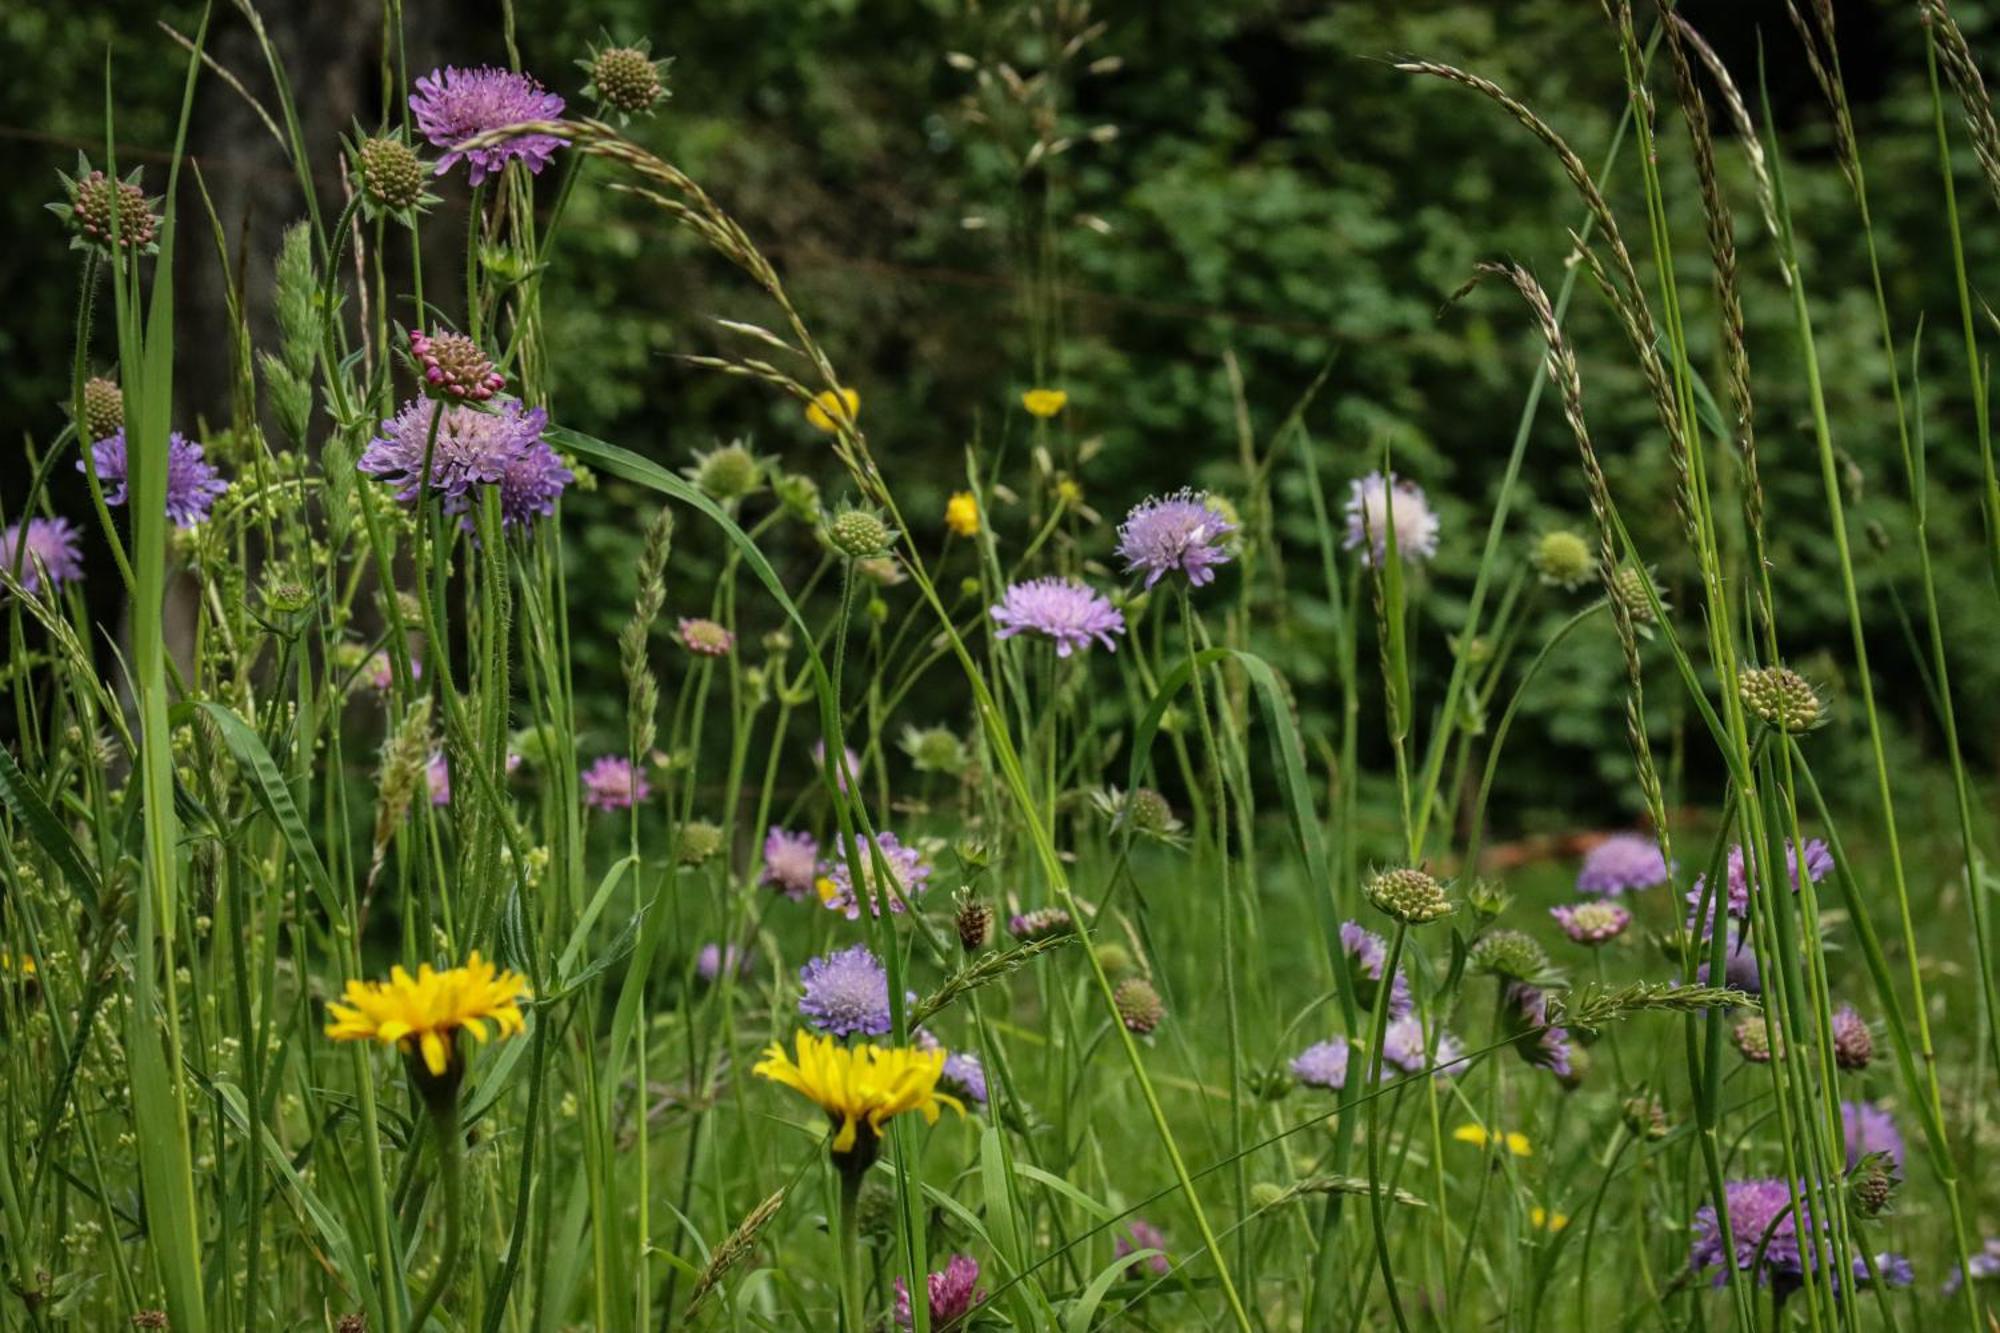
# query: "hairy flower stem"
848, 1225
1377, 1207
451, 1181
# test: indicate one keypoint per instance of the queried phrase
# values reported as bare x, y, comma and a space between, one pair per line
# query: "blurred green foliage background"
1249, 180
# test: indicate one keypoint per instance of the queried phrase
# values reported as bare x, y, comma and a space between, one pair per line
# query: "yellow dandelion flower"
1517, 1142
22, 966
961, 514
866, 1083
1544, 1220
424, 1013
1044, 403
829, 410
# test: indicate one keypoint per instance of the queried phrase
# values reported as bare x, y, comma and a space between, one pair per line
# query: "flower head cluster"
454, 105
193, 484
1323, 1064
1593, 923
454, 366
859, 1086
1409, 895
1406, 1046
1853, 1043
715, 959
100, 207
846, 993
903, 876
964, 1076
1535, 1040
952, 1294
1185, 531
1775, 1241
49, 547
1868, 1128
392, 177
423, 1015
1622, 863
1562, 559
961, 514
1984, 1267
1378, 506
1063, 610
1143, 1235
1044, 403
791, 862
1739, 964
1818, 860
829, 409
1040, 924
471, 448
612, 783
1139, 1005
704, 637
626, 79
1369, 954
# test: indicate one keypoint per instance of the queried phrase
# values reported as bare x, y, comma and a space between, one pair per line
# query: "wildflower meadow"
555, 777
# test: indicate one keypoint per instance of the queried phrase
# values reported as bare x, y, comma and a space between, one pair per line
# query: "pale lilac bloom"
791, 862
1540, 1045
473, 448
1985, 1266
1184, 531
52, 546
1622, 863
1063, 610
1868, 1128
1739, 964
713, 958
1818, 861
850, 763
964, 1076
1375, 505
437, 778
1591, 923
193, 483
1370, 953
1762, 1223
846, 992
1143, 1235
908, 877
952, 1294
380, 672
1403, 1047
612, 783
453, 105
1323, 1065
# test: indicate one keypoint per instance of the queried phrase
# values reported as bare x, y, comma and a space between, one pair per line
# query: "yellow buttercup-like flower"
423, 1014
1544, 1220
1044, 403
22, 966
828, 410
961, 514
1517, 1142
870, 1084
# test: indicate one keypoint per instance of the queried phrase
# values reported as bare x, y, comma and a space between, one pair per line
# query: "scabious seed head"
1139, 1005
1040, 924
392, 175
1781, 698
859, 534
626, 79
1409, 895
1629, 585
1512, 955
103, 408
700, 841
1645, 1118
1594, 922
729, 472
454, 366
1115, 958
974, 923
98, 205
1871, 1186
704, 638
1853, 1043
1562, 559
798, 495
1756, 1041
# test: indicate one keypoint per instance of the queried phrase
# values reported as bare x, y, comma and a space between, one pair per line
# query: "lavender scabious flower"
50, 546
1186, 531
472, 448
1762, 1223
1818, 860
1984, 1266
612, 783
1404, 1047
1377, 504
1143, 1235
1060, 609
193, 483
964, 1076
907, 876
952, 1294
437, 778
1868, 1128
846, 993
850, 763
1622, 863
791, 862
453, 105
1323, 1065
1739, 965
1369, 953
714, 958
1539, 1044
1592, 923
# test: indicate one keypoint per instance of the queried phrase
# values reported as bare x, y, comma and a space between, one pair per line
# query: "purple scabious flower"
1404, 1048
964, 1076
193, 484
1739, 965
612, 783
1818, 860
1060, 609
437, 778
850, 763
1761, 1221
50, 546
1622, 863
1868, 1128
473, 448
1539, 1044
952, 1294
1185, 531
1323, 1065
1891, 1270
1376, 504
1984, 1266
791, 862
1591, 923
846, 993
713, 958
1143, 1235
453, 105
1369, 953
907, 874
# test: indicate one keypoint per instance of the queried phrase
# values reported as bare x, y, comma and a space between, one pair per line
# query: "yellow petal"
436, 1054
